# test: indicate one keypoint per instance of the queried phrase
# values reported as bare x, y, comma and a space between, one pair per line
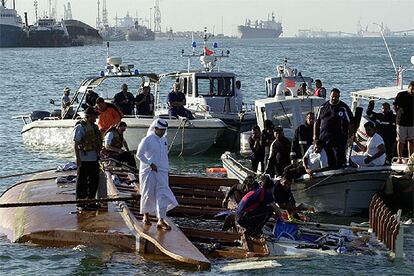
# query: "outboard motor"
39, 115
245, 150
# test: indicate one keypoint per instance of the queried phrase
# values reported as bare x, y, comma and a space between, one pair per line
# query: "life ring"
216, 170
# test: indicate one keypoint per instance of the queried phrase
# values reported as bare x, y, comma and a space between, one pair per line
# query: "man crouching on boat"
256, 208
156, 195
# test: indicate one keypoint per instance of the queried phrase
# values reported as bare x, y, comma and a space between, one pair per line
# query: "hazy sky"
330, 15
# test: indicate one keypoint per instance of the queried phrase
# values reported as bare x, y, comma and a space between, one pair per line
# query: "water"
30, 77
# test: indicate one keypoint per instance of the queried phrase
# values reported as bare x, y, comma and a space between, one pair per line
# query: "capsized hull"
345, 191
59, 225
189, 137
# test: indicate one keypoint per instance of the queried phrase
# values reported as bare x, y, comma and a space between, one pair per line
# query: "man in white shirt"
156, 195
238, 96
374, 150
315, 158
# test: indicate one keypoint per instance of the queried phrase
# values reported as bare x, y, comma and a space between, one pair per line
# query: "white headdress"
157, 123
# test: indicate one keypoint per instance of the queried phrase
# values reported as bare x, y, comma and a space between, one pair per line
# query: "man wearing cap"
117, 146
156, 195
67, 110
125, 100
88, 144
279, 156
145, 101
90, 99
334, 125
303, 137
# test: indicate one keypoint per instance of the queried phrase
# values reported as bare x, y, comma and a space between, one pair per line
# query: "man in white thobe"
156, 195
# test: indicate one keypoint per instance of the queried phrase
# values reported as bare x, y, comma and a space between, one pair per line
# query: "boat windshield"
215, 86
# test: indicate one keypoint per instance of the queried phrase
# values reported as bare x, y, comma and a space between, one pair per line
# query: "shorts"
405, 133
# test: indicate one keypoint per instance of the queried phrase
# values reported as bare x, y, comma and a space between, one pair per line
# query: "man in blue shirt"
125, 101
334, 124
176, 102
255, 209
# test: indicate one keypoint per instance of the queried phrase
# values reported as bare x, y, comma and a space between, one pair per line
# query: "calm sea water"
30, 77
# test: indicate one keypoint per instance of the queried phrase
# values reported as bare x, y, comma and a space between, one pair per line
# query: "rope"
317, 183
25, 173
182, 138
78, 201
175, 136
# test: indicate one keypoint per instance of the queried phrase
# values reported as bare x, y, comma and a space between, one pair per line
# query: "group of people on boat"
124, 103
323, 140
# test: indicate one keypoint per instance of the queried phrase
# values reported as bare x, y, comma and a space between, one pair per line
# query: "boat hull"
346, 191
11, 36
56, 135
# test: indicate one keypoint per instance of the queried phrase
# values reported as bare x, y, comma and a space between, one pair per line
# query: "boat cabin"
209, 91
286, 111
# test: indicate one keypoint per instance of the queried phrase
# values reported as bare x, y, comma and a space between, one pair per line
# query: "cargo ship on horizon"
261, 29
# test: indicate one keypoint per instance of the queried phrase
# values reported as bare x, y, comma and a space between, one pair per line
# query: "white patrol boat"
283, 105
49, 131
212, 93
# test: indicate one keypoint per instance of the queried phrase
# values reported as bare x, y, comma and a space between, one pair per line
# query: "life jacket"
317, 90
92, 141
251, 201
118, 139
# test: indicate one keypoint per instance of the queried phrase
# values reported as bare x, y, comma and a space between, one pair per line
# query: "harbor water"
29, 77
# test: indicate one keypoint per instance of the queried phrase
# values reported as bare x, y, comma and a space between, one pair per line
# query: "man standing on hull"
88, 144
156, 195
334, 125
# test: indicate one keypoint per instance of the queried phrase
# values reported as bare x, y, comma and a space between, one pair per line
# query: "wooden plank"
195, 181
172, 243
196, 192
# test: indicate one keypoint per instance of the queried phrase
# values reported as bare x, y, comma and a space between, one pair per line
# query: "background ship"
11, 27
81, 33
47, 32
261, 29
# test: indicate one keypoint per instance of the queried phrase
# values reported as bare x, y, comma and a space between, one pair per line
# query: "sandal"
163, 225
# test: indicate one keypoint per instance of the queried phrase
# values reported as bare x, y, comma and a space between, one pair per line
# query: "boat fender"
216, 170
39, 115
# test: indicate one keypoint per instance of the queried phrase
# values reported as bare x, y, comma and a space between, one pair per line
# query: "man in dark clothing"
334, 125
177, 101
124, 100
267, 138
303, 138
90, 99
88, 144
114, 143
257, 148
255, 209
145, 102
284, 198
404, 104
385, 126
279, 156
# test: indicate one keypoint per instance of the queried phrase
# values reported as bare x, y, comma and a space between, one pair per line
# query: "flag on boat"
208, 52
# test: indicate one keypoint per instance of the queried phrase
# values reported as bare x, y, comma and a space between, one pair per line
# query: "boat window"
283, 117
215, 86
189, 88
185, 86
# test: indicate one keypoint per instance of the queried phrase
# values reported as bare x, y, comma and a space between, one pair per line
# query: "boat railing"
386, 226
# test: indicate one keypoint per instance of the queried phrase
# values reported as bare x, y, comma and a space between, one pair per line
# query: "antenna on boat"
386, 46
400, 70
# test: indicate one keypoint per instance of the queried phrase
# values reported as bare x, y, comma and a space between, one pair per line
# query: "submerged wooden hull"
59, 225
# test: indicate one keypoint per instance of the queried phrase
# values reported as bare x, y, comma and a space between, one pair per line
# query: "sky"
192, 15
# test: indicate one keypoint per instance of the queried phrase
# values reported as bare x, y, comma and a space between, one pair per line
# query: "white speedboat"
345, 191
45, 130
211, 93
283, 106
